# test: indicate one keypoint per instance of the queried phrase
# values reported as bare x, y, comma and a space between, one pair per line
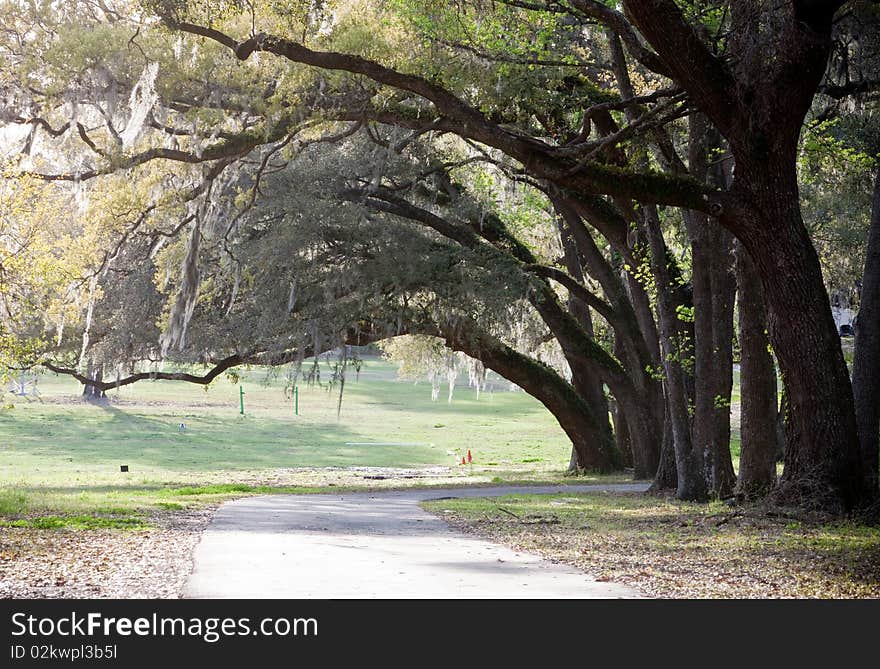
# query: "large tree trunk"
702, 255
666, 477
759, 105
866, 366
640, 401
823, 465
688, 460
587, 384
722, 474
758, 415
704, 352
92, 393
713, 291
724, 280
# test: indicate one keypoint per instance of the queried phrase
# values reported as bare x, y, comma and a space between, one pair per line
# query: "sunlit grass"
184, 445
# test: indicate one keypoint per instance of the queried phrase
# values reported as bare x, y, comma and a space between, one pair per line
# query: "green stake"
241, 400
296, 400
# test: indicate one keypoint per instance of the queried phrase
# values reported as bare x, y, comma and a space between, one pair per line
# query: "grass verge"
673, 549
81, 522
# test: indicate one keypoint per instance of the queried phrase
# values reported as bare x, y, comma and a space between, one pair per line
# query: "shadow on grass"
416, 398
815, 558
111, 436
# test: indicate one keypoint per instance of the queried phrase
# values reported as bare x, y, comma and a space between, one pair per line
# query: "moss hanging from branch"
185, 303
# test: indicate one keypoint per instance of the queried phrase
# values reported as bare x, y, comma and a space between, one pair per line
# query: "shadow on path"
375, 545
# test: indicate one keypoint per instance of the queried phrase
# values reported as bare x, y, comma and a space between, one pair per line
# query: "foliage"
38, 267
837, 162
203, 197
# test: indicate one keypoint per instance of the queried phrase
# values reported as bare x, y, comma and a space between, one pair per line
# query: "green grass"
218, 489
79, 522
235, 488
62, 457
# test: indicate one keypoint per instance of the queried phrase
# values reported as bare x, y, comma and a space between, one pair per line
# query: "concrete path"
375, 545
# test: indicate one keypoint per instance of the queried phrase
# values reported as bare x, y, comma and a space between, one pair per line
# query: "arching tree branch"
540, 159
620, 25
205, 379
580, 291
690, 62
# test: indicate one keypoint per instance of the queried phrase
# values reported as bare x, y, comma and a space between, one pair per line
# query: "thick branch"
221, 150
363, 333
446, 103
573, 286
691, 64
620, 25
219, 368
465, 121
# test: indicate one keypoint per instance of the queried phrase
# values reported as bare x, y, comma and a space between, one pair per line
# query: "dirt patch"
115, 564
356, 477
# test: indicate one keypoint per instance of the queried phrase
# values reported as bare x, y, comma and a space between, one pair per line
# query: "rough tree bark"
866, 365
823, 466
691, 484
704, 351
723, 476
586, 383
713, 323
758, 105
724, 280
758, 421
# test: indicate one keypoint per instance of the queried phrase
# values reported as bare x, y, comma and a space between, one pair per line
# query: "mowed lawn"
64, 455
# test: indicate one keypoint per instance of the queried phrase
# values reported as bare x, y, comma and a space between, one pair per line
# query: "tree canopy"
577, 194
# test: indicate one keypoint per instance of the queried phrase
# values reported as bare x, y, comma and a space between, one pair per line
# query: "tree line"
607, 203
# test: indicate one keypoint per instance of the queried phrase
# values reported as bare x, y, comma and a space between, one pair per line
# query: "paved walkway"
375, 545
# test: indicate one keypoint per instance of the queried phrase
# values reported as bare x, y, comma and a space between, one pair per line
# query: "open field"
62, 456
73, 525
